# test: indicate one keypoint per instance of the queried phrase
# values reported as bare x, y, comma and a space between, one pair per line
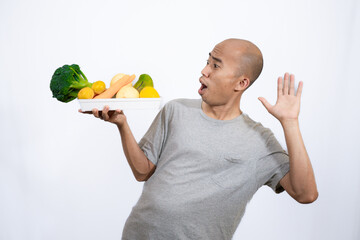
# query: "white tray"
120, 103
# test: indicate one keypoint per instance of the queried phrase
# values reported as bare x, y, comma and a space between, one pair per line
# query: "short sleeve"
271, 169
273, 166
153, 140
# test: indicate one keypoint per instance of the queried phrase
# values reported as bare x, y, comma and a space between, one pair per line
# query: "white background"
63, 175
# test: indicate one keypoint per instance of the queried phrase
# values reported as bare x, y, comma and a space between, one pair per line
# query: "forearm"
139, 164
301, 173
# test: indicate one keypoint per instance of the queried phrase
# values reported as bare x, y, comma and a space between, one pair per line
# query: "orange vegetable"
113, 89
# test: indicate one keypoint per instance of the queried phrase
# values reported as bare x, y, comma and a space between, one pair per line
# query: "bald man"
202, 160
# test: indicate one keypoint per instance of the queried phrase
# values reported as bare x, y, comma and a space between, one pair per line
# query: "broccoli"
67, 82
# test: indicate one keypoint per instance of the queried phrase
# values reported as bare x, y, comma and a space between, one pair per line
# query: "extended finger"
280, 87
95, 112
299, 90
286, 84
292, 84
105, 111
87, 112
266, 104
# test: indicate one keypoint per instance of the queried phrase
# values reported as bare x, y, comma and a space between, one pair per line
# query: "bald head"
247, 55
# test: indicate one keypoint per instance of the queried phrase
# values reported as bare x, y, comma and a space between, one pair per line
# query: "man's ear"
242, 83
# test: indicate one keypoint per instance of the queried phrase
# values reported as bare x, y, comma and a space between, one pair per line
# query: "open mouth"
202, 88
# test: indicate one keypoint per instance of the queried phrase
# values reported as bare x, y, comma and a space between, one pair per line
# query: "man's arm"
299, 182
140, 165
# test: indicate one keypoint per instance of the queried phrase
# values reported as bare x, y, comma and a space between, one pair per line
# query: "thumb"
266, 104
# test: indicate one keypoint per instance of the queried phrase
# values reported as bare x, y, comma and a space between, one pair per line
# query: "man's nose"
206, 71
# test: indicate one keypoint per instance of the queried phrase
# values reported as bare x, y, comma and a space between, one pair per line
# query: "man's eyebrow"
216, 59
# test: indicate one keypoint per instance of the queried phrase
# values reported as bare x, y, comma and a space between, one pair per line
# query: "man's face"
219, 76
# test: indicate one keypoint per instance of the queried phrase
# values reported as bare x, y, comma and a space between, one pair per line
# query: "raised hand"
287, 106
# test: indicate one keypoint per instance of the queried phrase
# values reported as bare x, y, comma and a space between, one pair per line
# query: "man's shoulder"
257, 128
183, 103
260, 137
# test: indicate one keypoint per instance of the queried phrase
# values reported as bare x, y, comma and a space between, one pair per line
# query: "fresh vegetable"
67, 81
112, 90
86, 93
127, 92
98, 87
144, 81
117, 77
149, 92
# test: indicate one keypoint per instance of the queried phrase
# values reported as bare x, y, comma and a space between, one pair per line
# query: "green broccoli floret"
67, 81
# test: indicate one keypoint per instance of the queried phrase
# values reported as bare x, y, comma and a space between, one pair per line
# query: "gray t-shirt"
207, 170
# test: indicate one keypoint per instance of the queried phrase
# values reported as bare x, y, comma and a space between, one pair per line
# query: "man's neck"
222, 112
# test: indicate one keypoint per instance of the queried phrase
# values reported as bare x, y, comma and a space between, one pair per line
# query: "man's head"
233, 65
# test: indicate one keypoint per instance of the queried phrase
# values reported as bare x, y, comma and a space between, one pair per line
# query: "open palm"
287, 106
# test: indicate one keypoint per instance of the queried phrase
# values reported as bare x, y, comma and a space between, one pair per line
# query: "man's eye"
216, 66
207, 62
